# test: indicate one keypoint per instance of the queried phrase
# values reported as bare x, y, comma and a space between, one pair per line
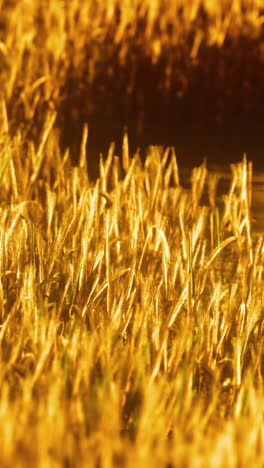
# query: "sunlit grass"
66, 54
131, 313
131, 308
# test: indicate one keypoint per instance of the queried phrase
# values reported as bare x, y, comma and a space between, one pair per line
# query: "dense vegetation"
131, 308
171, 71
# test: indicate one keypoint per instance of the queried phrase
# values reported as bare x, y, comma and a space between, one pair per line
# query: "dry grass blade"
40, 153
218, 249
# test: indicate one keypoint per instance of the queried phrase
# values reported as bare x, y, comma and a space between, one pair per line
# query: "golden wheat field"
131, 303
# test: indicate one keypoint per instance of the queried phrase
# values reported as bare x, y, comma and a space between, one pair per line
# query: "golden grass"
69, 54
131, 309
131, 313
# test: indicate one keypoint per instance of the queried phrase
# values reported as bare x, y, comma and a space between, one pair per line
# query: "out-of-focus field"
131, 303
182, 73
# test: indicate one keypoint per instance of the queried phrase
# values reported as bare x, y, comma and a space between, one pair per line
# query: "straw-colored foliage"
131, 309
131, 314
51, 48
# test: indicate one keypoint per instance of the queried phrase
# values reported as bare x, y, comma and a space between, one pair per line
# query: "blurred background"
187, 73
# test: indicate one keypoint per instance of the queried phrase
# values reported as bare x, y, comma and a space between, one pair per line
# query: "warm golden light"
131, 287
